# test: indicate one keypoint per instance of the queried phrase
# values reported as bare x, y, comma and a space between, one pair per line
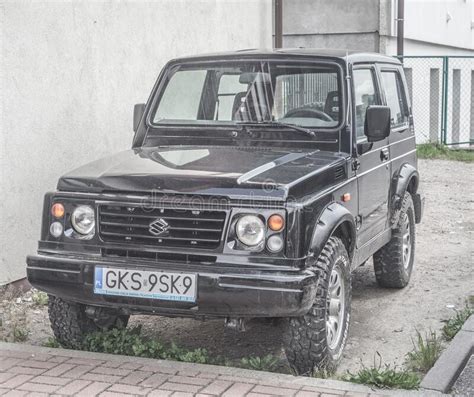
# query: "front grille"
172, 227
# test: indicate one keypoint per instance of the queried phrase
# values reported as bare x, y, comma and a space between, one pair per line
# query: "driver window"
307, 97
364, 96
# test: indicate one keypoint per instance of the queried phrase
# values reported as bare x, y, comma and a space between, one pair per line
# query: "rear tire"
70, 323
393, 263
316, 340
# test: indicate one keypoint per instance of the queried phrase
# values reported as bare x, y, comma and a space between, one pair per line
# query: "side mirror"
138, 111
377, 123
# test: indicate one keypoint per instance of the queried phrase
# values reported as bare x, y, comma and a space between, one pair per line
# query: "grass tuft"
40, 298
52, 342
266, 363
454, 324
323, 373
19, 333
437, 151
384, 378
426, 350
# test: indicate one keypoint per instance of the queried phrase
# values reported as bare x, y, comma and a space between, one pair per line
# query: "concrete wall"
70, 74
431, 26
332, 24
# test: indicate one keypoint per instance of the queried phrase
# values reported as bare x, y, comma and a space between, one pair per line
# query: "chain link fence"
441, 89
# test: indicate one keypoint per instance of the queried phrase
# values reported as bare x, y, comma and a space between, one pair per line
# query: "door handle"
384, 154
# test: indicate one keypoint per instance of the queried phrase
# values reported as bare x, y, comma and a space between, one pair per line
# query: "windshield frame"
171, 68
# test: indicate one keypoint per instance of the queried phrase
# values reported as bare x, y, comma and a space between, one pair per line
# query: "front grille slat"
145, 226
184, 227
167, 217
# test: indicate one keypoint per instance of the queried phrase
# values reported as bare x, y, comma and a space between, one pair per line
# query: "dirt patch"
383, 320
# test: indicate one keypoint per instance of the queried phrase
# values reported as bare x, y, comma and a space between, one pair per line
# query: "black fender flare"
333, 216
407, 175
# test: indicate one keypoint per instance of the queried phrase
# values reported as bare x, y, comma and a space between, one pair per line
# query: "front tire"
393, 263
317, 339
70, 323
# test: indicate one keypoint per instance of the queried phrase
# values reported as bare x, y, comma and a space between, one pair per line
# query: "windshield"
305, 95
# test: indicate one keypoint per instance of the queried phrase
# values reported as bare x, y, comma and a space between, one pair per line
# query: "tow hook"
235, 323
93, 312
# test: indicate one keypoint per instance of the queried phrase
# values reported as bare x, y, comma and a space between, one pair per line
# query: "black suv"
256, 182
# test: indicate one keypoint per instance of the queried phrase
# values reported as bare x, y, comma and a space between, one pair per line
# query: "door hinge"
355, 164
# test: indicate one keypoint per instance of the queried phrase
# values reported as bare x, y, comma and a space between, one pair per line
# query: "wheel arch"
335, 220
406, 179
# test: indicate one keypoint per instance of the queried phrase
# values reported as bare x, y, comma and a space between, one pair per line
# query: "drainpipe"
400, 26
278, 24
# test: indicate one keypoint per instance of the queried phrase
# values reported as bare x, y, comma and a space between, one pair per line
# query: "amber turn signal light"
57, 210
276, 222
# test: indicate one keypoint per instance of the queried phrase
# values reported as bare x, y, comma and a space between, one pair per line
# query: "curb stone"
452, 361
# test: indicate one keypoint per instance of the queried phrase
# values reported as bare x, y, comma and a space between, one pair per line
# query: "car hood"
263, 173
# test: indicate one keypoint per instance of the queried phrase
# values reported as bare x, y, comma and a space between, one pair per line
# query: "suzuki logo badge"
158, 227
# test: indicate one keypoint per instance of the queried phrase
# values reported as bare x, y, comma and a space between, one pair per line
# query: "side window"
395, 97
364, 96
176, 106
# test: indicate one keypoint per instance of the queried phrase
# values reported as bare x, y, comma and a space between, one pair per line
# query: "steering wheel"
309, 113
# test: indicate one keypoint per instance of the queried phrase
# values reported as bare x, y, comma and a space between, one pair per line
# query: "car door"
402, 136
373, 173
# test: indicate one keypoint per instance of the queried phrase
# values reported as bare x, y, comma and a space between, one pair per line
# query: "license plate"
145, 284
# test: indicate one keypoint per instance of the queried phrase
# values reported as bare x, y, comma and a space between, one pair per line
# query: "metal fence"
441, 89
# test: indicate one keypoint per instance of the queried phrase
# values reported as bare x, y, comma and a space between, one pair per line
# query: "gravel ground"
464, 385
383, 320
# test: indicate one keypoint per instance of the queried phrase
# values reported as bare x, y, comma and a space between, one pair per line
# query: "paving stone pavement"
39, 371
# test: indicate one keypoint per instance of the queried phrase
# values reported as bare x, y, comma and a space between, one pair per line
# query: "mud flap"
419, 204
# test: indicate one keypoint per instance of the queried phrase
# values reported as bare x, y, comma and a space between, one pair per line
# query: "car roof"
351, 57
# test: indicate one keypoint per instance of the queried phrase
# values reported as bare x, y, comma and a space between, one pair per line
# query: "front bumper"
223, 291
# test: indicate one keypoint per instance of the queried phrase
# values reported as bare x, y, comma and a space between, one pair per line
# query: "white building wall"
433, 27
70, 73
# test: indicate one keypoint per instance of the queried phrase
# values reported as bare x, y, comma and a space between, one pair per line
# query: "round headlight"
83, 220
250, 230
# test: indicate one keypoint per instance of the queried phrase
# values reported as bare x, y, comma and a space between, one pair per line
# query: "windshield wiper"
293, 127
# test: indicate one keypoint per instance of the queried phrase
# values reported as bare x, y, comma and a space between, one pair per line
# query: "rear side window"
365, 96
395, 97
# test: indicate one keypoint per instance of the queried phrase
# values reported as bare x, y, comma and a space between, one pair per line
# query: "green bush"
129, 342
